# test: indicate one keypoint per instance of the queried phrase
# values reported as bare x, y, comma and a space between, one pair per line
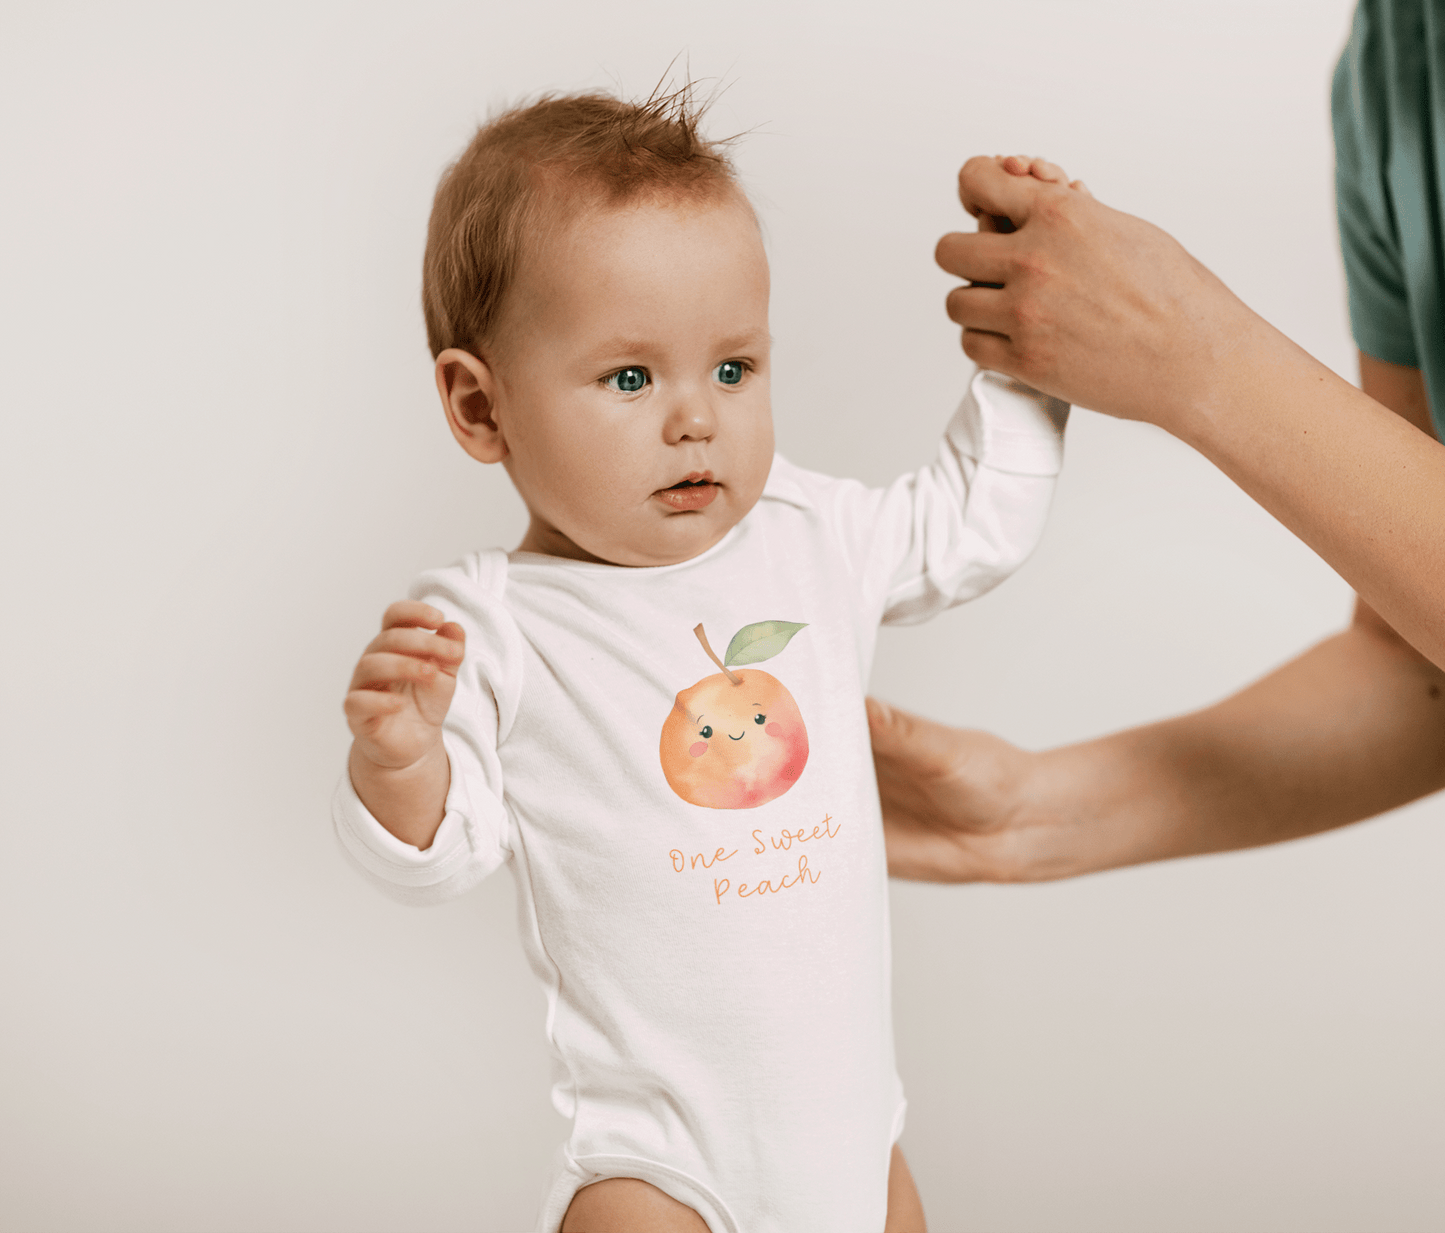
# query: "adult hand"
1087, 303
961, 805
1353, 727
1108, 312
947, 797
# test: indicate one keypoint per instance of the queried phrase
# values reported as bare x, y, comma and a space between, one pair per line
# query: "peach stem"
702, 637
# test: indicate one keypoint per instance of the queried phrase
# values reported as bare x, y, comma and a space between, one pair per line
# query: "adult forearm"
1352, 728
1356, 482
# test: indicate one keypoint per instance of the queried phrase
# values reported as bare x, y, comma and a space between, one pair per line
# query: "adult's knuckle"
1033, 265
1055, 207
1025, 315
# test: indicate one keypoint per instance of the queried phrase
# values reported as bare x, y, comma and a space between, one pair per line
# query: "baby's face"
632, 382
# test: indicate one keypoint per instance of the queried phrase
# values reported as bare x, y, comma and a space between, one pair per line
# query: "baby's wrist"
409, 800
371, 760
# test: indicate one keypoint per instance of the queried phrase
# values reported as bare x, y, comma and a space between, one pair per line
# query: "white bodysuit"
717, 975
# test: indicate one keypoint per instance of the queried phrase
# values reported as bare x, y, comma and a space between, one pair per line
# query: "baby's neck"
550, 542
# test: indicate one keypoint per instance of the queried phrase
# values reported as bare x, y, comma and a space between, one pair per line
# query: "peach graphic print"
736, 740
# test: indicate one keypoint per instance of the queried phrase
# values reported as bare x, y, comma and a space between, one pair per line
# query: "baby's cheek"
774, 729
700, 748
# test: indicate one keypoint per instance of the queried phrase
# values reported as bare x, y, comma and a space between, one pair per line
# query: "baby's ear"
469, 396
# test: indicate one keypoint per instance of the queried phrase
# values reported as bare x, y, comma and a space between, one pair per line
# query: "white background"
222, 455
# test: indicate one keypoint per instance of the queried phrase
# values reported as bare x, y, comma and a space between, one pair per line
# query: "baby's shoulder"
479, 577
790, 486
471, 592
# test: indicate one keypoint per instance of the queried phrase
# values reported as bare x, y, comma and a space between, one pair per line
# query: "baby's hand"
1040, 169
403, 685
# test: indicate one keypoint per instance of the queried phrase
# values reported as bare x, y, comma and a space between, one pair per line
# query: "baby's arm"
420, 809
399, 695
956, 528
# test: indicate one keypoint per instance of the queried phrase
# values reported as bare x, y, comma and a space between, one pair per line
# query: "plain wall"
222, 455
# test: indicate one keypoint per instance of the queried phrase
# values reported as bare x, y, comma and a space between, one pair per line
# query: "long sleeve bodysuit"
716, 973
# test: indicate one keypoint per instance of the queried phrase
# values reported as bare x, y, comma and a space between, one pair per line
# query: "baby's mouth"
695, 492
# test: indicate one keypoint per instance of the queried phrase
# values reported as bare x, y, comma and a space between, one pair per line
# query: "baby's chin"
667, 538
679, 538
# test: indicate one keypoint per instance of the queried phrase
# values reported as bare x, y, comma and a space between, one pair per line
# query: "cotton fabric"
1388, 105
717, 980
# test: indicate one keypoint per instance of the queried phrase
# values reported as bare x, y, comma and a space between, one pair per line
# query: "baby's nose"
691, 419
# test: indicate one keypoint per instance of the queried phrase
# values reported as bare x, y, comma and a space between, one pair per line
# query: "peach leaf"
759, 641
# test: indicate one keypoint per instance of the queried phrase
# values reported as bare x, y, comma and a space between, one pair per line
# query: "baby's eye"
626, 380
759, 718
706, 732
729, 372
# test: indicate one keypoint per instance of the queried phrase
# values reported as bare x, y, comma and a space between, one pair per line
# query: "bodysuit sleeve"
962, 524
474, 838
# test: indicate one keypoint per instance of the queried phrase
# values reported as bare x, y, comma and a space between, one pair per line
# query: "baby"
695, 839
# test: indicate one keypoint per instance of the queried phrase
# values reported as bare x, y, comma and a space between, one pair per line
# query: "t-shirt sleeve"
474, 838
956, 528
1369, 230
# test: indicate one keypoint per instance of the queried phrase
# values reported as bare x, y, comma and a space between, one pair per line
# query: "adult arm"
1106, 311
1353, 727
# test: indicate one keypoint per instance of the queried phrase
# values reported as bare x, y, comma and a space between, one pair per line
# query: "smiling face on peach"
734, 746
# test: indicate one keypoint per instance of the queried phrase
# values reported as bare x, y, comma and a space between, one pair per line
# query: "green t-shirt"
1389, 118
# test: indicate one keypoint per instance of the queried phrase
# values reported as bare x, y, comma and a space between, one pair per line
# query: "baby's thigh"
626, 1205
905, 1208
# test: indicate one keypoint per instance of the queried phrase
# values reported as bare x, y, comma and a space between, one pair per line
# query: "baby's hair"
531, 163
